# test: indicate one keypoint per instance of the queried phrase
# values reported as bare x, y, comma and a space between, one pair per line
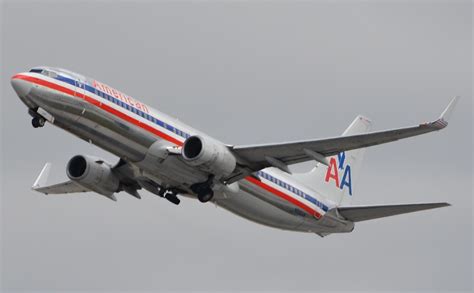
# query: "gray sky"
245, 73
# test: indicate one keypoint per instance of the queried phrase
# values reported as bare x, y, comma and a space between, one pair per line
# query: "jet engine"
208, 155
94, 174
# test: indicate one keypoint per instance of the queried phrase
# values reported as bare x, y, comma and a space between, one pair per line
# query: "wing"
60, 188
256, 157
122, 169
364, 213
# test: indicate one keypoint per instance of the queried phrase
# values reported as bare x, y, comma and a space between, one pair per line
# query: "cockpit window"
50, 73
70, 74
54, 72
44, 72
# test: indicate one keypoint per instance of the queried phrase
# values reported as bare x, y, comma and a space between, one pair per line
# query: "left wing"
60, 188
122, 170
256, 157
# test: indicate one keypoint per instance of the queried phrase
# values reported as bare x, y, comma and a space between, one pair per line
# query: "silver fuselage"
129, 129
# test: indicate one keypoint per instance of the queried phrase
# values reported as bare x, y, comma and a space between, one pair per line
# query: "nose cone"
21, 86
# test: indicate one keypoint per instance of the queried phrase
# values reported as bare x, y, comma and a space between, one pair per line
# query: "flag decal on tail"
333, 172
337, 179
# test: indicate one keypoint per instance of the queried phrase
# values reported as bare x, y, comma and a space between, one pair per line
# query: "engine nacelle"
93, 174
208, 155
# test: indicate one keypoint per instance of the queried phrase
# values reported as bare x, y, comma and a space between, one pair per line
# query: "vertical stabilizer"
336, 181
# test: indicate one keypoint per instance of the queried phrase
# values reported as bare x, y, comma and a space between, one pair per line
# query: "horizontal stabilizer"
364, 213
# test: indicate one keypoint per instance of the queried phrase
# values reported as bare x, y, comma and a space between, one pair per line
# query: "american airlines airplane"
168, 158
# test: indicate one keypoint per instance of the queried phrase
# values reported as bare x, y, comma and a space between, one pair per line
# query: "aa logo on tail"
336, 168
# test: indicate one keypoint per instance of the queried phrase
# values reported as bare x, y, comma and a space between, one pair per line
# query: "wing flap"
364, 213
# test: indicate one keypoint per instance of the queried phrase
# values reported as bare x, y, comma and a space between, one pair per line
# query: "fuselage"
129, 129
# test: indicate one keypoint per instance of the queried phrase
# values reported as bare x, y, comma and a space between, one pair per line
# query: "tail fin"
336, 181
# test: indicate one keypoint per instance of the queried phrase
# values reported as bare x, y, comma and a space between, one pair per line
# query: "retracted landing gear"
206, 195
170, 195
38, 122
203, 190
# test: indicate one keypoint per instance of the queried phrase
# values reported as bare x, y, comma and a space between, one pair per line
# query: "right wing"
64, 187
253, 158
364, 213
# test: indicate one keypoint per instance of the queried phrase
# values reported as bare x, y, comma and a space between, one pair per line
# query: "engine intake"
192, 147
77, 166
94, 174
208, 155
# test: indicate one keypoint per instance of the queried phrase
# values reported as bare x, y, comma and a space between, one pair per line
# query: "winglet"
442, 121
449, 109
42, 177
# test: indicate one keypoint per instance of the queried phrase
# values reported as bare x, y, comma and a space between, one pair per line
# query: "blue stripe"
293, 190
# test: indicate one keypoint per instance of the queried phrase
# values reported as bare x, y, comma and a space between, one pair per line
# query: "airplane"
168, 158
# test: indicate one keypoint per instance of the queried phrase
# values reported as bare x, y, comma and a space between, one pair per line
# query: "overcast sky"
245, 73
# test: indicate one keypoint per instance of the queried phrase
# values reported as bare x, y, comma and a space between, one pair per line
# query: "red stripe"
100, 105
157, 132
284, 196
